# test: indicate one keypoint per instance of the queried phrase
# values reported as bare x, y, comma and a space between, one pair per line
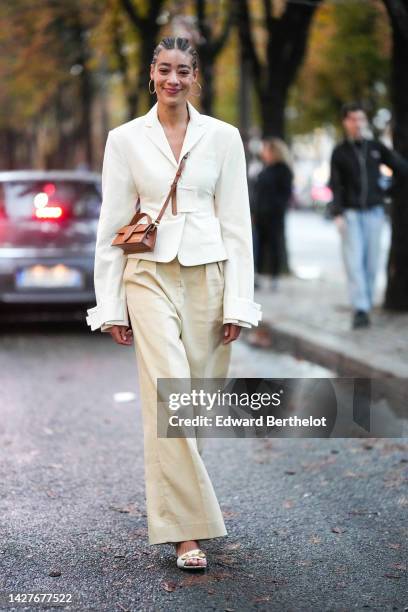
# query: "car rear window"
77, 199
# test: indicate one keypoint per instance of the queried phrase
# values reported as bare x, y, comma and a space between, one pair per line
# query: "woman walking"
272, 193
184, 302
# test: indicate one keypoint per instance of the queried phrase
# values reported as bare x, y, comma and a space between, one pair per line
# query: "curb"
291, 337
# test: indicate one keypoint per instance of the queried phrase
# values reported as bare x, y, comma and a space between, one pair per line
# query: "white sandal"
196, 553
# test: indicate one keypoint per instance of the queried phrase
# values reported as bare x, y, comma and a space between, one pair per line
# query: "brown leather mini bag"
139, 237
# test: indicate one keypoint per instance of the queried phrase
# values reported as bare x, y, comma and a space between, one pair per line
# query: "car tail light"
43, 209
49, 212
49, 189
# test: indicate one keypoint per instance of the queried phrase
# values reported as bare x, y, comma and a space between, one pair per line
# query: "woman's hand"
122, 334
231, 332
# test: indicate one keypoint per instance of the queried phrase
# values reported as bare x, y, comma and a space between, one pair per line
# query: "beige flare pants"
176, 314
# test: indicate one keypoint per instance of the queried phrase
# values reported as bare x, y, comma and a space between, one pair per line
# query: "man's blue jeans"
361, 247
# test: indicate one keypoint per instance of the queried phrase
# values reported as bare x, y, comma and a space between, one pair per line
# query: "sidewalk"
311, 319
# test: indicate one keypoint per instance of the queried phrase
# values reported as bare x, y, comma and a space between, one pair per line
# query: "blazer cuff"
242, 309
106, 326
237, 322
113, 310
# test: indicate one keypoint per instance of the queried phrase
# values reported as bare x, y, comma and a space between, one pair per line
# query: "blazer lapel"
195, 130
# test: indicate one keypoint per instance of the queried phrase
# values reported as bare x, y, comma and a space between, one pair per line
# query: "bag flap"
141, 227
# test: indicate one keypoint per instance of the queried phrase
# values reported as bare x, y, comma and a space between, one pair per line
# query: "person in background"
272, 193
358, 206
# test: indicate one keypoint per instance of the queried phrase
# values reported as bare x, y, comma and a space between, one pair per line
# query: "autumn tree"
348, 60
48, 88
286, 26
210, 42
145, 18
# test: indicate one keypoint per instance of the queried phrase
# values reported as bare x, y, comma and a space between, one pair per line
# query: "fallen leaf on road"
261, 599
54, 573
52, 493
315, 540
316, 465
169, 586
138, 532
305, 563
200, 579
399, 566
233, 546
220, 576
195, 579
391, 447
392, 576
224, 559
338, 530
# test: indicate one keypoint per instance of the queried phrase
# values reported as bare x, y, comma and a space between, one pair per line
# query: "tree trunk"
287, 37
272, 104
147, 28
396, 297
244, 100
8, 148
207, 93
209, 47
85, 124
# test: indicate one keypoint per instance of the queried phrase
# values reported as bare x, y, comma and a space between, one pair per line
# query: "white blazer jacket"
213, 216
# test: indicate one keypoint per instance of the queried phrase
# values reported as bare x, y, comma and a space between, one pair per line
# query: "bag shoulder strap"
172, 192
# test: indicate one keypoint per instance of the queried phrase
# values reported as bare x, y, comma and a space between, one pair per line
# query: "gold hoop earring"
150, 91
199, 94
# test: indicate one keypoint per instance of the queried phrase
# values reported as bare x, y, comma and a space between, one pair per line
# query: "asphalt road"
312, 524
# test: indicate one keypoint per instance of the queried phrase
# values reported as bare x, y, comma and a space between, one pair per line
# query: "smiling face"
173, 75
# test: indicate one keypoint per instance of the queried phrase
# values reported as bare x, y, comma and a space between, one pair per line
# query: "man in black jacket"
358, 206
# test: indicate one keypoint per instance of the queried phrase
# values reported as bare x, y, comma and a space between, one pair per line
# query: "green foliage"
348, 59
40, 45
